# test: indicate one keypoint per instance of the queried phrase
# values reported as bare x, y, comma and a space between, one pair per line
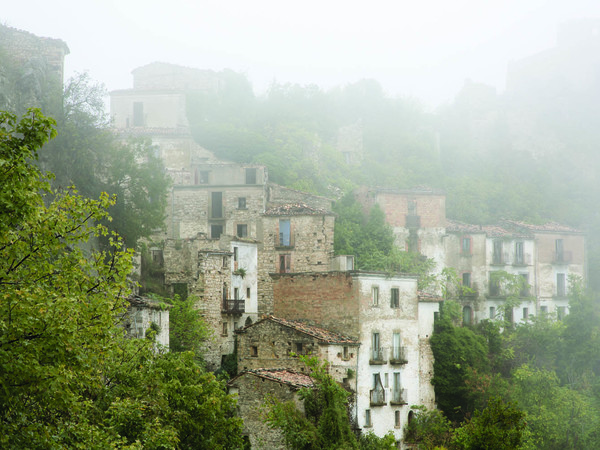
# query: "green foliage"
325, 424
187, 330
500, 426
428, 428
86, 154
372, 241
69, 377
455, 350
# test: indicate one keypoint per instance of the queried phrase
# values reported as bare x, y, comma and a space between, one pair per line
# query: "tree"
500, 426
69, 377
325, 423
87, 154
428, 428
187, 330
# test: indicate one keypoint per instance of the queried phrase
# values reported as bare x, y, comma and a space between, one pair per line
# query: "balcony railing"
522, 260
398, 355
377, 355
233, 306
377, 397
398, 397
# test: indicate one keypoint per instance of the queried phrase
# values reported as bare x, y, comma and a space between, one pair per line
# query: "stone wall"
277, 194
252, 391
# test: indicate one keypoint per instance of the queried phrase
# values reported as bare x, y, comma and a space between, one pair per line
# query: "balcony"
233, 306
522, 260
377, 356
398, 397
398, 355
413, 221
377, 397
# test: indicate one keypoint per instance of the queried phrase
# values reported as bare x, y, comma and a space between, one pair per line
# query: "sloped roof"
322, 335
145, 302
549, 227
504, 229
285, 376
428, 297
454, 226
295, 209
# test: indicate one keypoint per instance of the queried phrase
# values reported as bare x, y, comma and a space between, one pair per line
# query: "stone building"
253, 387
417, 216
384, 313
143, 314
276, 342
39, 64
543, 255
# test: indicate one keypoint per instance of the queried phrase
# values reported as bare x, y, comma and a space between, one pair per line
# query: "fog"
419, 49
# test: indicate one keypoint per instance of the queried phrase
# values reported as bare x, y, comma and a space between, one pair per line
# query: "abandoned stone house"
386, 316
143, 314
544, 255
252, 387
276, 342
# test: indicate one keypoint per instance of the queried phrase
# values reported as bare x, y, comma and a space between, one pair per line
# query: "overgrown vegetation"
69, 377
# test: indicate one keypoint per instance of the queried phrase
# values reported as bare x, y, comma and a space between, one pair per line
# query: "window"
524, 292
216, 230
559, 250
349, 262
509, 316
285, 232
368, 422
412, 207
497, 254
253, 351
138, 114
375, 295
216, 205
235, 254
299, 348
397, 419
375, 348
543, 310
396, 389
236, 293
492, 312
466, 245
201, 176
285, 263
378, 393
561, 290
250, 176
345, 353
494, 285
247, 292
396, 347
466, 279
525, 314
242, 230
224, 333
180, 289
241, 202
395, 298
467, 315
519, 258
561, 312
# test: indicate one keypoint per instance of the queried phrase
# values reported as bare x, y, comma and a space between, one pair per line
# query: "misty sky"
424, 49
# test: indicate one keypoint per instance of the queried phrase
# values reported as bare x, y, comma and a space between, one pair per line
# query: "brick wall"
327, 299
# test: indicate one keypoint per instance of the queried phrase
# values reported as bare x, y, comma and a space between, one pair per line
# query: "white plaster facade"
394, 353
141, 313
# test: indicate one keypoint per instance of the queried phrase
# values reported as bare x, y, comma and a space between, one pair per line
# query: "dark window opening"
497, 254
284, 263
241, 202
250, 176
561, 290
395, 298
216, 205
519, 258
466, 279
216, 231
242, 230
466, 246
253, 351
180, 289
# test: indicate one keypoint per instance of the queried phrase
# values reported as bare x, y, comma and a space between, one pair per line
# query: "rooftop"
285, 376
295, 209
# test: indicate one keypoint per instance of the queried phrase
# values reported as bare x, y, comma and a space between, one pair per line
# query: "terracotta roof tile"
295, 209
547, 227
285, 376
324, 336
